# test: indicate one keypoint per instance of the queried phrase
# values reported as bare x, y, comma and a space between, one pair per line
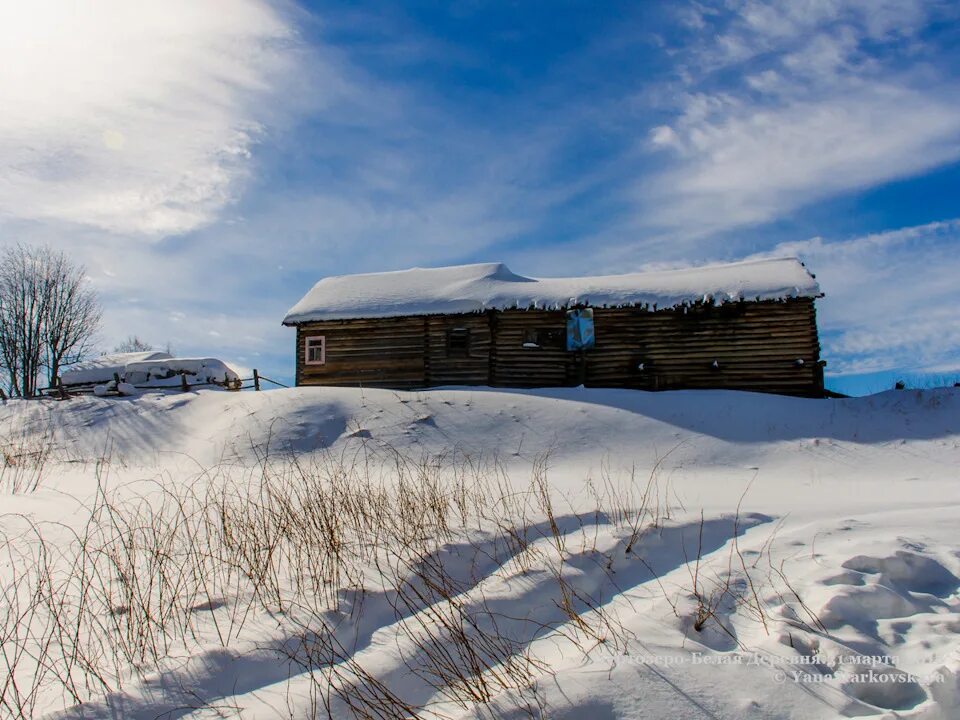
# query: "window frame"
307, 346
531, 339
459, 350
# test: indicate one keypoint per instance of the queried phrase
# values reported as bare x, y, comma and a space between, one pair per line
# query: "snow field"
482, 554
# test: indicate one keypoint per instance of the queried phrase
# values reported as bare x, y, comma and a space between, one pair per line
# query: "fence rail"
257, 379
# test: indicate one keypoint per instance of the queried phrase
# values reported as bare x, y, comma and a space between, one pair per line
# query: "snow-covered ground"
617, 554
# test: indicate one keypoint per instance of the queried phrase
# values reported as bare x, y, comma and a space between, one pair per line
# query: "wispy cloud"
134, 117
738, 163
784, 103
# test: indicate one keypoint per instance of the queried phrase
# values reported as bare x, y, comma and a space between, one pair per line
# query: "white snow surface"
856, 500
166, 372
485, 286
101, 369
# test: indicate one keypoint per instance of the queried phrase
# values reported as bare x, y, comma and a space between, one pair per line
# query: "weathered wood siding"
514, 365
755, 345
386, 352
470, 367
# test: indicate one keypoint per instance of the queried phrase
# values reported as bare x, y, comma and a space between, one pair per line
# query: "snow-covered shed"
747, 325
149, 369
102, 369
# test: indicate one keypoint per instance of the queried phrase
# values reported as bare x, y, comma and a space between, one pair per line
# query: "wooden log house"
745, 326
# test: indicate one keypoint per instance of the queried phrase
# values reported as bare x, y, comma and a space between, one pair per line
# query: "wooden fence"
59, 391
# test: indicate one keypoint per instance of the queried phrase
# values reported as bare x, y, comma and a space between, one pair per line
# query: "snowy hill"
554, 553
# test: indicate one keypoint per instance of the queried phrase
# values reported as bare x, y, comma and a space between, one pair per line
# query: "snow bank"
474, 288
102, 369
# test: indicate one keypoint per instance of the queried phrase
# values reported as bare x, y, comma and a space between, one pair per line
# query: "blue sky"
209, 167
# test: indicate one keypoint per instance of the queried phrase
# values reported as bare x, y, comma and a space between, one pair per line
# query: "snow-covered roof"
165, 372
486, 286
101, 369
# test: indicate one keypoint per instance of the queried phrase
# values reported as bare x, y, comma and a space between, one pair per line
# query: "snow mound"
907, 571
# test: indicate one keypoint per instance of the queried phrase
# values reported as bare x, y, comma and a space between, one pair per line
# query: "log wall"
747, 346
447, 366
387, 352
513, 365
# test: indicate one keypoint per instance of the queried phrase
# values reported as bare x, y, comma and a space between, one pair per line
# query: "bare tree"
73, 313
22, 314
48, 315
133, 344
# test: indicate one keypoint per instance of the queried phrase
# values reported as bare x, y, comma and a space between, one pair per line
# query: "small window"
551, 338
543, 338
315, 350
458, 342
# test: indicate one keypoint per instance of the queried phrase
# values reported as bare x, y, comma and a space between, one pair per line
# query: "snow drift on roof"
101, 369
166, 372
474, 288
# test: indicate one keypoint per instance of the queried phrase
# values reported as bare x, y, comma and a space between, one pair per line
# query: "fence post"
183, 382
63, 392
256, 380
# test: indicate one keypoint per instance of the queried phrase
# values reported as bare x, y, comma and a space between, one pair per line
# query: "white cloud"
743, 29
664, 136
749, 164
133, 117
813, 114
